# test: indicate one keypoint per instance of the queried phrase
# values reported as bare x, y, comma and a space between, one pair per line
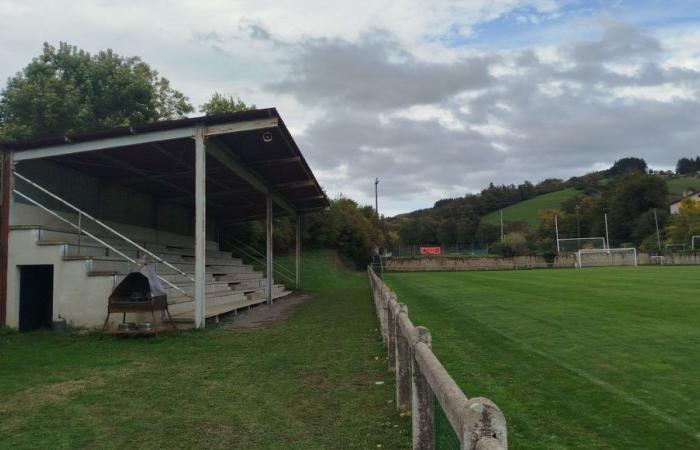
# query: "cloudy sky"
436, 98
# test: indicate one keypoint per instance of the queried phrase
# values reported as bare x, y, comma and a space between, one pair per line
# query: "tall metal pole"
376, 197
578, 224
268, 247
556, 229
297, 257
607, 235
501, 224
200, 228
658, 236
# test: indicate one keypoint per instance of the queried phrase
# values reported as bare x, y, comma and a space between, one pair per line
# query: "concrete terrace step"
181, 243
219, 308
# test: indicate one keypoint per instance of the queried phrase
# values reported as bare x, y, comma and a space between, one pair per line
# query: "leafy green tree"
218, 104
627, 166
685, 223
67, 90
629, 200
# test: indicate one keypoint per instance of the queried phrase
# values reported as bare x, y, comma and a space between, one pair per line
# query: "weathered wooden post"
391, 328
423, 410
483, 425
403, 363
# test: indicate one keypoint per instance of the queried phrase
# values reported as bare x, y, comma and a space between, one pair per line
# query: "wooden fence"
420, 377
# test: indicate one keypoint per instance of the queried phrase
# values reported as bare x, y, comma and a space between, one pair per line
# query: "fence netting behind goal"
445, 437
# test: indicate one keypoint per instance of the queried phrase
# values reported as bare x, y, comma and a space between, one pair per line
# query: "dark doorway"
35, 297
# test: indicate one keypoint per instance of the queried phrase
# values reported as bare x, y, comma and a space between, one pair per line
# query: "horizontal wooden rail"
478, 423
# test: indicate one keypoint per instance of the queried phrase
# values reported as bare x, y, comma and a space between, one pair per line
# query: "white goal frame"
659, 258
608, 251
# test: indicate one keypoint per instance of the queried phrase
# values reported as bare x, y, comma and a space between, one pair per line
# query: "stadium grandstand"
80, 211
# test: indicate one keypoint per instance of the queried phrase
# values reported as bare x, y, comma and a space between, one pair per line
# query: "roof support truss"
216, 150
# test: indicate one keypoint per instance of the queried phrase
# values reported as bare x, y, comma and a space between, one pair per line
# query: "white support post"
297, 258
556, 229
200, 228
268, 241
607, 235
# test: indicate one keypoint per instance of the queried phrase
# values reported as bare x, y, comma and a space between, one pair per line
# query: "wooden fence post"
423, 408
391, 328
403, 364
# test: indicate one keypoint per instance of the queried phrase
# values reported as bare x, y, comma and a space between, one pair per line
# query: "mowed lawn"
313, 382
592, 358
529, 210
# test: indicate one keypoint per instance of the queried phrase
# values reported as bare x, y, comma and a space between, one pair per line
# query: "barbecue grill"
135, 295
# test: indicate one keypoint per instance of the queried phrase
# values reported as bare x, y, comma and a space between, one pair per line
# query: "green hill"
529, 210
677, 185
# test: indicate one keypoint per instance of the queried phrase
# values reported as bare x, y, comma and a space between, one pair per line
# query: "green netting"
445, 437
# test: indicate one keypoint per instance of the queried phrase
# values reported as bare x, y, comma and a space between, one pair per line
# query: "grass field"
529, 210
309, 383
676, 186
593, 358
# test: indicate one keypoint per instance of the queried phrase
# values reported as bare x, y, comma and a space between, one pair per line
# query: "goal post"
606, 257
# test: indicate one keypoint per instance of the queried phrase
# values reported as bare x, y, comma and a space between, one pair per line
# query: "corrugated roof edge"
93, 135
213, 119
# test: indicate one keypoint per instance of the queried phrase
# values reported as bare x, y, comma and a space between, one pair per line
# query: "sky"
436, 98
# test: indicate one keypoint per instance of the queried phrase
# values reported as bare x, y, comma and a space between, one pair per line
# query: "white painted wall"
80, 299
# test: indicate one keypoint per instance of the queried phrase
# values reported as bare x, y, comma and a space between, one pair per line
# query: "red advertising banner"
430, 250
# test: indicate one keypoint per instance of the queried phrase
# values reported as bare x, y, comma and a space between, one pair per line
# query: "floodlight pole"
376, 197
501, 224
658, 237
607, 236
556, 229
578, 223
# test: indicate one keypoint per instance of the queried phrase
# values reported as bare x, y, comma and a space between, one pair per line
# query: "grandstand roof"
249, 154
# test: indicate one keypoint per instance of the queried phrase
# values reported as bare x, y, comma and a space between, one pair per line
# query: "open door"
35, 297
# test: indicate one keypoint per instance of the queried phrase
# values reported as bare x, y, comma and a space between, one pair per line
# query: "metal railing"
423, 384
81, 230
257, 257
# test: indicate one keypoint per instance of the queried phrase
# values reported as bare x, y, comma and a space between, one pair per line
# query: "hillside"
677, 185
529, 210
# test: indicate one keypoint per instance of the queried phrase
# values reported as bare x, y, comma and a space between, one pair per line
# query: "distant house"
676, 203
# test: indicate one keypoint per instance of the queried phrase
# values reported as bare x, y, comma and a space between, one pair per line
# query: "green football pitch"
592, 358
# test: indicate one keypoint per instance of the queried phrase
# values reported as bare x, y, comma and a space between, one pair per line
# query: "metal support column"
268, 246
7, 180
297, 258
200, 228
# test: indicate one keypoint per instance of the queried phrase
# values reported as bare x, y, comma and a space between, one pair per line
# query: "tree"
219, 104
685, 223
627, 166
66, 90
686, 166
629, 200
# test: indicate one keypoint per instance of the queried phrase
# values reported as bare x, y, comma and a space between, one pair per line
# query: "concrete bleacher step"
240, 276
217, 308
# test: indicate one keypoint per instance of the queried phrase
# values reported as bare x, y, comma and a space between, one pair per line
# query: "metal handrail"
108, 228
90, 235
260, 254
261, 262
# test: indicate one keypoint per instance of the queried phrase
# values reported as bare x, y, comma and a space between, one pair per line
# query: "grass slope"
307, 383
676, 186
529, 210
594, 358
